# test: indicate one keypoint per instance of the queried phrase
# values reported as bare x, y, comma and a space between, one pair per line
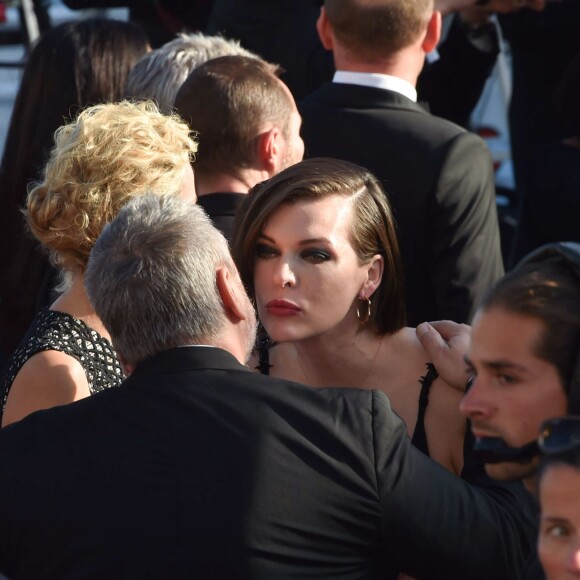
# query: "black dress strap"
419, 439
263, 344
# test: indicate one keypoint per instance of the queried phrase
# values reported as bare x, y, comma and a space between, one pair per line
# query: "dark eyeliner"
264, 251
316, 254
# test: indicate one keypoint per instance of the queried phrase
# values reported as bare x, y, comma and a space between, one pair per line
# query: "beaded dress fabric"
53, 330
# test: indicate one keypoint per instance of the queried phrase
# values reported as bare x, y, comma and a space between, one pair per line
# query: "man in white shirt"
439, 178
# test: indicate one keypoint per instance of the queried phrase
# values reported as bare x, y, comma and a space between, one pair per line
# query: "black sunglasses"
560, 435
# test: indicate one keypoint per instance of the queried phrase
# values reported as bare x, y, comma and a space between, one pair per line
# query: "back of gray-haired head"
160, 73
151, 277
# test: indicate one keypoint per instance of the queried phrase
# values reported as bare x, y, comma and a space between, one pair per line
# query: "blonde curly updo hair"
108, 155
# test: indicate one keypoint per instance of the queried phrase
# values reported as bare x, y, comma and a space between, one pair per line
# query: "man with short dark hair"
248, 129
439, 178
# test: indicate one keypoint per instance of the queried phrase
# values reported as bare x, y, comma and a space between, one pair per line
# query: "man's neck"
405, 65
222, 183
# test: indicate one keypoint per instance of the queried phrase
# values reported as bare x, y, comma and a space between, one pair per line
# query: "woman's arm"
445, 426
47, 379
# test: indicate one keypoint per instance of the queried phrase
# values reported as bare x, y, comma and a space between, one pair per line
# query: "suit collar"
188, 358
357, 96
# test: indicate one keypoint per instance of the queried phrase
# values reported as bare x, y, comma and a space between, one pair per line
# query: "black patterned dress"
53, 330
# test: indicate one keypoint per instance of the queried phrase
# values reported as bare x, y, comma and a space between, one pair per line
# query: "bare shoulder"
47, 379
407, 339
445, 426
404, 352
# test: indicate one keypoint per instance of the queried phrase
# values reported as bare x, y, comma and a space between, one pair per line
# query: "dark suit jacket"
439, 180
197, 468
221, 208
284, 32
550, 205
542, 44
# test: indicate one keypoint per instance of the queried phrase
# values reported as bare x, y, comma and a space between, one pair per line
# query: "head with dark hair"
234, 103
569, 457
545, 286
524, 354
372, 29
369, 222
72, 66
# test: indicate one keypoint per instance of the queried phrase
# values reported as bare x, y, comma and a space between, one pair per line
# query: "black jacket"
196, 467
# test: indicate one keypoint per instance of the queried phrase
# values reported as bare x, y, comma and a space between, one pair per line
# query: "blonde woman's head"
108, 155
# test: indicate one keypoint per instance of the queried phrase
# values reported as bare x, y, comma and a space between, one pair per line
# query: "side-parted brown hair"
227, 101
374, 29
373, 229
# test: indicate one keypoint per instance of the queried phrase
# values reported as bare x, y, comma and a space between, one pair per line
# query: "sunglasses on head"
559, 435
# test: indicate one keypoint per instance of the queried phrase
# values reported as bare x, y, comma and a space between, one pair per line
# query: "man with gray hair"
196, 467
160, 73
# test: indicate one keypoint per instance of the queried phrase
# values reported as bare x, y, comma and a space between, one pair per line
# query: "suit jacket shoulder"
439, 180
197, 467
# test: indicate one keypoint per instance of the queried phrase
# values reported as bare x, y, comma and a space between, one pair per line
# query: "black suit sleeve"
459, 530
465, 247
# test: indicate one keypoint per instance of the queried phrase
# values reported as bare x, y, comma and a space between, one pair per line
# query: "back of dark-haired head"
372, 232
546, 285
72, 65
376, 29
570, 457
228, 101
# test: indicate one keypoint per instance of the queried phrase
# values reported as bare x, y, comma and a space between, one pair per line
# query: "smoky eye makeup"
264, 251
315, 255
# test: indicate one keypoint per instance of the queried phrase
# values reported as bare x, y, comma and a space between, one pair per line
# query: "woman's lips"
282, 308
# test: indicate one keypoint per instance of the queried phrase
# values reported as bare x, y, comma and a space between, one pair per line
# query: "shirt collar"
376, 80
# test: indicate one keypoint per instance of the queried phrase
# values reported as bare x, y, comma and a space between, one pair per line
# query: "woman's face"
559, 539
307, 276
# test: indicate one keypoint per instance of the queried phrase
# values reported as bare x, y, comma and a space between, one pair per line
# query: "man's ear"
375, 272
433, 33
230, 289
324, 30
271, 150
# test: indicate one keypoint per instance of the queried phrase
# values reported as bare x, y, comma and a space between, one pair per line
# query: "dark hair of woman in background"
72, 66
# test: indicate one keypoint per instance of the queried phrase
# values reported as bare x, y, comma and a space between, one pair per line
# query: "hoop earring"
365, 316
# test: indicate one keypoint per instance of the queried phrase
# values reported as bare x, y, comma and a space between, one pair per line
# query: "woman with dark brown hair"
317, 249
